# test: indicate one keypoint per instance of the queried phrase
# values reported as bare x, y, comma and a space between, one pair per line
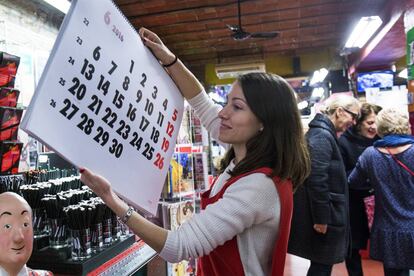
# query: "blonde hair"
392, 121
343, 101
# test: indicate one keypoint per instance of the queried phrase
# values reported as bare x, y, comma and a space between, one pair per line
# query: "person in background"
320, 223
388, 167
352, 143
243, 228
16, 236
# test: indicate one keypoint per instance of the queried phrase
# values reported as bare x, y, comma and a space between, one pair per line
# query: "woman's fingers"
86, 176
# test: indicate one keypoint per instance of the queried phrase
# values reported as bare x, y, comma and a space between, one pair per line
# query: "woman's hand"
98, 184
321, 228
152, 41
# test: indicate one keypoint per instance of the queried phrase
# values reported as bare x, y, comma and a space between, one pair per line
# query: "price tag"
104, 102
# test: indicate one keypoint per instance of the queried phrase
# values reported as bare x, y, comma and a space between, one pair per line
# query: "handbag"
369, 201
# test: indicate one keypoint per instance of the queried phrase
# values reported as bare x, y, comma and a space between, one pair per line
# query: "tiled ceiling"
196, 30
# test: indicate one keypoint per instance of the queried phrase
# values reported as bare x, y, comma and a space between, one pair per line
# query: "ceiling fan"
238, 33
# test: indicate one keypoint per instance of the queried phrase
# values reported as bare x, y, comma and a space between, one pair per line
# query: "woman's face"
238, 123
368, 128
346, 117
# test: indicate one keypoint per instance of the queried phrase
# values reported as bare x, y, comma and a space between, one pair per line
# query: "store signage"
104, 102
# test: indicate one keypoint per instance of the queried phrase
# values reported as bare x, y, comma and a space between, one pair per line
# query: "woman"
244, 227
352, 143
388, 167
320, 224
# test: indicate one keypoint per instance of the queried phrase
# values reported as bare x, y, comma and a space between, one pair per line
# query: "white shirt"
22, 272
249, 209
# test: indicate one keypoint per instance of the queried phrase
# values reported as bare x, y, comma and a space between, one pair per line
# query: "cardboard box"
9, 96
10, 156
9, 122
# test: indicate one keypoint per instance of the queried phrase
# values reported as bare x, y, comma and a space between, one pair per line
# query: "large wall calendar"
105, 103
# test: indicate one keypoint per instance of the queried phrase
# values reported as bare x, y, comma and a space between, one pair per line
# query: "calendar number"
96, 104
110, 117
78, 89
136, 141
103, 85
118, 99
102, 137
69, 110
97, 53
86, 124
159, 161
131, 114
87, 69
116, 148
148, 151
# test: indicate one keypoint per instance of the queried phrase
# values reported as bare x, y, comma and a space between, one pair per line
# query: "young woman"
244, 225
388, 167
352, 143
320, 226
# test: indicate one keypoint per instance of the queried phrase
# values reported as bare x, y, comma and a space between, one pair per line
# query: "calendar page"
105, 103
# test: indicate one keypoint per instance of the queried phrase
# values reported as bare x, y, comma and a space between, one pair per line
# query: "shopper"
16, 236
244, 227
388, 167
352, 143
320, 223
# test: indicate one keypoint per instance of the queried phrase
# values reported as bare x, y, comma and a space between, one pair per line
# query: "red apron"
225, 259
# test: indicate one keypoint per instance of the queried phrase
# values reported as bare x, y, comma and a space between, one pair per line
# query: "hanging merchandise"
8, 69
10, 117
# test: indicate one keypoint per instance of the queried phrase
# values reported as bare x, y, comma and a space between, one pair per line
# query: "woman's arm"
320, 149
185, 80
358, 179
151, 233
243, 204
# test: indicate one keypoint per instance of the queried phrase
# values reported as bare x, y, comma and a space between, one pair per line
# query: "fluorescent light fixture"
317, 92
62, 5
403, 74
303, 105
363, 31
319, 76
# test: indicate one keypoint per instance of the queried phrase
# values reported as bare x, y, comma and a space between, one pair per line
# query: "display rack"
54, 260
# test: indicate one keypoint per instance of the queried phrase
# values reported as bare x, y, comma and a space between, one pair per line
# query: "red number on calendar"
174, 117
159, 161
170, 129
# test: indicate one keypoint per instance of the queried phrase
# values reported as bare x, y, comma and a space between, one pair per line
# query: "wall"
28, 29
28, 32
283, 65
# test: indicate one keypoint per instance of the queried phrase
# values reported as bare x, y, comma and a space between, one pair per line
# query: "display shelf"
54, 260
128, 262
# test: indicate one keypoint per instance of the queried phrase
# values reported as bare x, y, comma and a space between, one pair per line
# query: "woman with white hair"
320, 224
388, 167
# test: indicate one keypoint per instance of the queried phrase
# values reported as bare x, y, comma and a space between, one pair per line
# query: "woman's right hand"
152, 41
98, 184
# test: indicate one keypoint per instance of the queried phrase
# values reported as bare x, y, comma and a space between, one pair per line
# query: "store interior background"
311, 35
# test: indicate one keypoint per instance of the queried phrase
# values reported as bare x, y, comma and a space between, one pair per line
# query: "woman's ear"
339, 111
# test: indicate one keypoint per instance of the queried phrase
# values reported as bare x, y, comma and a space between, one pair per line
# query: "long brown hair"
281, 145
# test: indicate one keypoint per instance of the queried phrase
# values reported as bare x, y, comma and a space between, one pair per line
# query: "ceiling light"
317, 92
319, 76
303, 105
62, 5
363, 31
403, 74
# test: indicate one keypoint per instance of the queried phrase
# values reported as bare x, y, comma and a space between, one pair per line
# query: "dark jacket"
352, 145
322, 199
